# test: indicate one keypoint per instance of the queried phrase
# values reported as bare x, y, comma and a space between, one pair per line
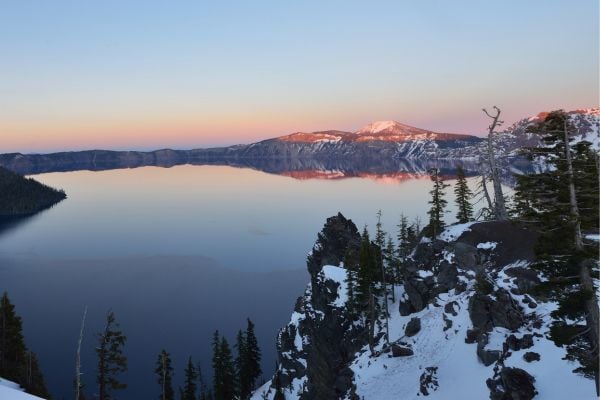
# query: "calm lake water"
177, 253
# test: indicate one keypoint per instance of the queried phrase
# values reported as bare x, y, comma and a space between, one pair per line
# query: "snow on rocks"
487, 245
453, 232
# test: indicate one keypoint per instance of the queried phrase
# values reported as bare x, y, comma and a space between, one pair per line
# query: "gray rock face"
465, 255
329, 336
502, 311
512, 384
525, 278
413, 327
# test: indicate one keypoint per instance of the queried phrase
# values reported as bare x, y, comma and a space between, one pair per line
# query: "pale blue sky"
144, 74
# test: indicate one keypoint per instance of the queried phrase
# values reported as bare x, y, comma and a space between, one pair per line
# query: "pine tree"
463, 197
111, 361
33, 382
366, 271
164, 371
241, 365
229, 384
12, 344
552, 201
224, 383
16, 362
438, 204
217, 365
253, 358
391, 264
190, 383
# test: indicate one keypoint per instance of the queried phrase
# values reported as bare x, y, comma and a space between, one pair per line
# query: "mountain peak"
379, 126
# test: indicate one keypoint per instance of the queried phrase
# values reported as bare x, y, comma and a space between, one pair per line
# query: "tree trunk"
499, 206
572, 196
372, 321
592, 313
486, 194
78, 358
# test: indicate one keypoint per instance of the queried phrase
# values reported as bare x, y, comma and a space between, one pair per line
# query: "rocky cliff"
464, 324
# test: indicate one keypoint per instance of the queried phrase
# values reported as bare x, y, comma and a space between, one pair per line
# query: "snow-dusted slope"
11, 391
470, 343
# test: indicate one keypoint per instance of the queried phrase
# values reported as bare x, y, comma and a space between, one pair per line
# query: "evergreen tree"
240, 365
224, 383
33, 381
403, 232
16, 362
190, 383
252, 359
350, 295
111, 361
463, 197
366, 271
12, 344
164, 371
552, 201
438, 204
203, 390
391, 265
228, 388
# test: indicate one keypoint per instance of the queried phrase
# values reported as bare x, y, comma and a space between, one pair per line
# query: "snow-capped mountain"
449, 337
377, 142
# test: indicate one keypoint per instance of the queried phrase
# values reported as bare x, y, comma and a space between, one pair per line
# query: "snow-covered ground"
11, 391
459, 374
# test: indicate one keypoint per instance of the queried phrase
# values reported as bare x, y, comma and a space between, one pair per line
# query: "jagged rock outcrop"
477, 341
317, 345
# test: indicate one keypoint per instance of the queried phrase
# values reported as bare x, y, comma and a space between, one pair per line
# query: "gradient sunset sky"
181, 74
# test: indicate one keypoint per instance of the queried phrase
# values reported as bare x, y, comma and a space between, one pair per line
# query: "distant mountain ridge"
385, 131
382, 140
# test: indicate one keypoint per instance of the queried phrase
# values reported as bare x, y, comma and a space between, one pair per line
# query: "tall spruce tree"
366, 271
224, 382
164, 371
252, 359
241, 365
551, 200
16, 362
191, 375
111, 361
438, 204
12, 344
463, 197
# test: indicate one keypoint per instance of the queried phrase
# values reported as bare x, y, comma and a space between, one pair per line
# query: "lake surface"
177, 253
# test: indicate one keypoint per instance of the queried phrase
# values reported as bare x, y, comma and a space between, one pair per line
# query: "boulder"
486, 312
413, 327
401, 351
512, 384
519, 344
465, 255
531, 356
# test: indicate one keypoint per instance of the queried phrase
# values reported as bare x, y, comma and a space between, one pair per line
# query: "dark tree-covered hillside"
20, 195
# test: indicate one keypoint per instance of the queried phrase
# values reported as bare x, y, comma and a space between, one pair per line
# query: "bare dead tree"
500, 212
78, 357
